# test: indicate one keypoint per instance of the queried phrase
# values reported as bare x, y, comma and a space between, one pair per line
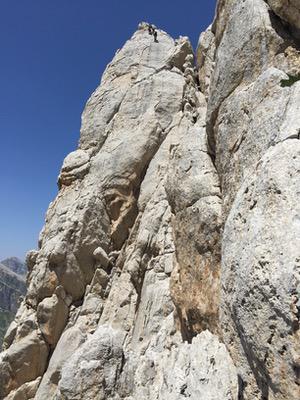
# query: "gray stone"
253, 123
200, 370
168, 266
31, 258
68, 343
205, 59
260, 274
52, 314
23, 362
95, 367
75, 166
101, 256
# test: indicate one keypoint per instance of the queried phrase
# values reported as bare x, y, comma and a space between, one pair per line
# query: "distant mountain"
12, 286
15, 265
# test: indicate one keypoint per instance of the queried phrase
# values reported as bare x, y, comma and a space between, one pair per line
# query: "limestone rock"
101, 256
253, 124
113, 201
205, 59
240, 53
26, 391
168, 266
22, 363
52, 314
194, 195
260, 271
95, 367
202, 369
69, 342
75, 166
31, 258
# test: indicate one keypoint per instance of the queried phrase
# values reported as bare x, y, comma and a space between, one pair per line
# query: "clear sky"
53, 53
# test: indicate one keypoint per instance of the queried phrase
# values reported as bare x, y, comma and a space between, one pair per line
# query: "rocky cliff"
12, 287
169, 264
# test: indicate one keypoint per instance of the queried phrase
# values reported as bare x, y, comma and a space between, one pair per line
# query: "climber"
150, 29
155, 36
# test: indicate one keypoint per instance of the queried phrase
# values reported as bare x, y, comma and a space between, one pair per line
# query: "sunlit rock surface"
168, 266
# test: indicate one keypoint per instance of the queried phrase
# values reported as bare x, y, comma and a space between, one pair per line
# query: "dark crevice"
211, 123
241, 388
123, 362
290, 35
186, 334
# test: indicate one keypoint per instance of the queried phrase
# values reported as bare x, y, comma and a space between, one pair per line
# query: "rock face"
168, 267
253, 128
12, 287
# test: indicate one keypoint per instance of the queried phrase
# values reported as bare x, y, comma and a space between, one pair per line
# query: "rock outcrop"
168, 267
12, 288
253, 129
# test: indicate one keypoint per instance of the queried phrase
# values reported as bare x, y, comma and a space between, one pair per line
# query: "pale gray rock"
31, 258
246, 130
101, 277
139, 304
22, 363
205, 59
69, 342
101, 256
182, 49
200, 370
260, 275
253, 130
93, 370
168, 264
248, 45
140, 59
52, 314
75, 166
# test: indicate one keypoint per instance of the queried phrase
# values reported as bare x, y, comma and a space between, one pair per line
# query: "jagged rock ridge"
168, 266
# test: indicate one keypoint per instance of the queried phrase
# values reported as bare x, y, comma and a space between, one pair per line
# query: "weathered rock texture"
12, 288
168, 267
253, 125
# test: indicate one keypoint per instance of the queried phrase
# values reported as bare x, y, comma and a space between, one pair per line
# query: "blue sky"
53, 53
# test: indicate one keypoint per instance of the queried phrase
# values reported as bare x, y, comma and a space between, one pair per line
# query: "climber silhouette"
155, 36
150, 29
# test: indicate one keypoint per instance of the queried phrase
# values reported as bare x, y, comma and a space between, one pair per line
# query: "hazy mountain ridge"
12, 287
16, 265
